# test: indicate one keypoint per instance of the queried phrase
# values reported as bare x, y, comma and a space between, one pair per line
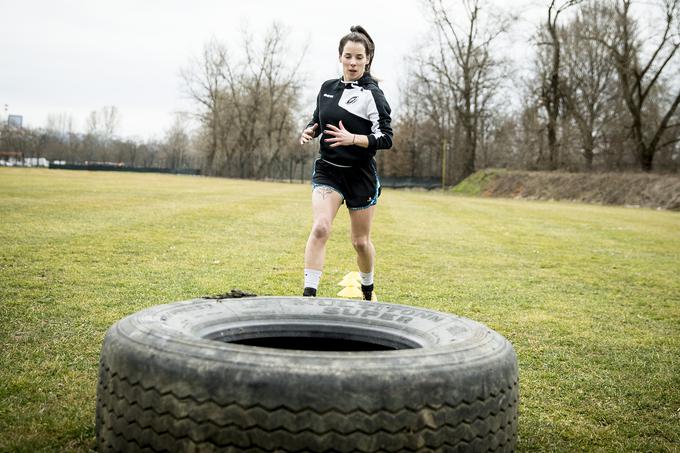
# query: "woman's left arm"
379, 113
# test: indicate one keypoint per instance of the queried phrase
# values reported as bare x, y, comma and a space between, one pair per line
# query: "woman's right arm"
309, 133
312, 128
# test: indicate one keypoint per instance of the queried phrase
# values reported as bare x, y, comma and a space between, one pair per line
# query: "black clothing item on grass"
362, 107
309, 292
359, 185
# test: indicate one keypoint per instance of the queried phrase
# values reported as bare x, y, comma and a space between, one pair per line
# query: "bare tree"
468, 69
281, 86
57, 135
92, 140
204, 83
127, 151
425, 121
262, 93
176, 143
151, 151
550, 68
110, 121
92, 126
247, 103
642, 67
405, 159
100, 130
60, 124
433, 108
590, 86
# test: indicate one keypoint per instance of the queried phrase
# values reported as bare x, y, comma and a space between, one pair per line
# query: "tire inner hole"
304, 338
314, 344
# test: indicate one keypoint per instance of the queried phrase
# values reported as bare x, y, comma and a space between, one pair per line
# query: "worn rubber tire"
171, 379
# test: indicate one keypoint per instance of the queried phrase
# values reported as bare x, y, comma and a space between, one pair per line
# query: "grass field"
588, 295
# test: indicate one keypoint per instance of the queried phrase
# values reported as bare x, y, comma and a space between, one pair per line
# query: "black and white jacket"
362, 107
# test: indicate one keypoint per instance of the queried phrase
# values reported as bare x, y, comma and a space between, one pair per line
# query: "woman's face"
354, 60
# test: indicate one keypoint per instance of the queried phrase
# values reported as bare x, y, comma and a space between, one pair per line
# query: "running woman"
353, 119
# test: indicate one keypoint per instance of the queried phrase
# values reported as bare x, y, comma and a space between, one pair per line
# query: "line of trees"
59, 141
603, 93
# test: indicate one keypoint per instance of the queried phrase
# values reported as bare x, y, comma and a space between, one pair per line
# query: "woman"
353, 119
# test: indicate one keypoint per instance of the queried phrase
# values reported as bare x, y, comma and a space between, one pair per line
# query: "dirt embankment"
627, 189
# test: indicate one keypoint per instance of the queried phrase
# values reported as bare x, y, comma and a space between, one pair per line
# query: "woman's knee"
321, 229
361, 244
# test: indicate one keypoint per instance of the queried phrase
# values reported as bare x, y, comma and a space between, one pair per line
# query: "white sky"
76, 56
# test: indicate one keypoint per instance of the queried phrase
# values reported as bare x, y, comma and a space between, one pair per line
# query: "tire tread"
132, 416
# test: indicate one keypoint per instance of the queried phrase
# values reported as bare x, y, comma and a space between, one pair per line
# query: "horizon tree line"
601, 93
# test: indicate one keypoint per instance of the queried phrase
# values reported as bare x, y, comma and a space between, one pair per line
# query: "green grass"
588, 295
475, 184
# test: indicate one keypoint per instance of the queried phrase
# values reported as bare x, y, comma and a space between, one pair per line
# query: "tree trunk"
554, 102
588, 153
646, 157
552, 143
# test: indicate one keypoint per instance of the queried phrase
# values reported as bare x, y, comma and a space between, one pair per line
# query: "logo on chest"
356, 103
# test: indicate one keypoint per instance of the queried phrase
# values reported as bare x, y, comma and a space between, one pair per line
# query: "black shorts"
358, 185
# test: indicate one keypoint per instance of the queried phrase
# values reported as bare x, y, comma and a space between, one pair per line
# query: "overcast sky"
76, 56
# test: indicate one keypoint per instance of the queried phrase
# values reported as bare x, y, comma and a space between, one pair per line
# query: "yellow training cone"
352, 276
350, 282
351, 291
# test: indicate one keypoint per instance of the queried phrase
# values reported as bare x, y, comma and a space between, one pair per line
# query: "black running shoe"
368, 291
309, 292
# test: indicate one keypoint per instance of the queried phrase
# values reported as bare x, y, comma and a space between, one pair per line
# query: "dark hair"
359, 34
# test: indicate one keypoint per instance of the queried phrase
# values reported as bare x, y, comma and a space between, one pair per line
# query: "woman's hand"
341, 136
308, 134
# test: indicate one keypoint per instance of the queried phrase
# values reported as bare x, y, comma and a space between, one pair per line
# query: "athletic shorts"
358, 185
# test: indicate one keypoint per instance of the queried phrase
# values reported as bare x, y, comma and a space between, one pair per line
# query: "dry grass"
625, 189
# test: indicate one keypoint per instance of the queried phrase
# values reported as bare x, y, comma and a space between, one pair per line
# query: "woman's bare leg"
361, 237
325, 205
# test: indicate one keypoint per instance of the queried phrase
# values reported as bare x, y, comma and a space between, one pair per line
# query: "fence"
118, 167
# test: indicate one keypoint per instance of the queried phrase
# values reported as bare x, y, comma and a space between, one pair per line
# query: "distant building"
11, 158
15, 121
16, 159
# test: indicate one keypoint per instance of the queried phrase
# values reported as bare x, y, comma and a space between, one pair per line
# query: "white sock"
366, 278
312, 277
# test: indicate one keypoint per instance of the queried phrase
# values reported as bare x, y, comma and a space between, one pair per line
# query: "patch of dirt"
233, 294
626, 189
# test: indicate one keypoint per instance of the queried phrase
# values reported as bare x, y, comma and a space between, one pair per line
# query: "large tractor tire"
304, 374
